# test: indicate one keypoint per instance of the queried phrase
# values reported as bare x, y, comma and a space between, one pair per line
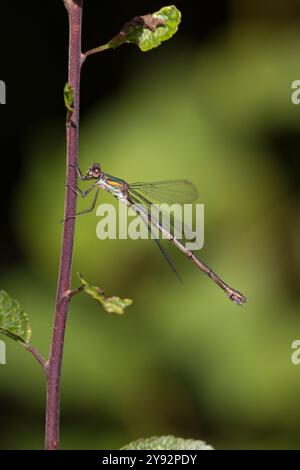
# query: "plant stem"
95, 50
74, 8
36, 355
70, 293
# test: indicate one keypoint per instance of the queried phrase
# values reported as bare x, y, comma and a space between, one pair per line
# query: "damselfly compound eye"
94, 171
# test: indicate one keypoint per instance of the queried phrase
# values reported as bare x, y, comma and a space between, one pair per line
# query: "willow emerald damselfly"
137, 196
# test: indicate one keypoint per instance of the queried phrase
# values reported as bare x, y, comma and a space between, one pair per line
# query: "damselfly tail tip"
237, 298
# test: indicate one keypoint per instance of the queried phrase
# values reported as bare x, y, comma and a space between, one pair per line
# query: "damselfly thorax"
116, 186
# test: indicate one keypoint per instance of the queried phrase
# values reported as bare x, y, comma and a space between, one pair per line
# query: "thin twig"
74, 8
40, 359
95, 50
70, 293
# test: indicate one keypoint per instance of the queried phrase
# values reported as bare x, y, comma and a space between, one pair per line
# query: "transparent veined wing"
169, 191
143, 210
169, 221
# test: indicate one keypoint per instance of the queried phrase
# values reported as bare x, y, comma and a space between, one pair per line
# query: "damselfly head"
94, 172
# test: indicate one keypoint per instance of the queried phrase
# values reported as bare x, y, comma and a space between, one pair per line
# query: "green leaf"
167, 443
150, 30
112, 304
14, 321
69, 97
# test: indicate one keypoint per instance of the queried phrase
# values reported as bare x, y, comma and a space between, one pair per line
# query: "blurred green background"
183, 360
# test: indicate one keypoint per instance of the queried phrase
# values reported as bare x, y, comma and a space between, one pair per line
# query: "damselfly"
136, 196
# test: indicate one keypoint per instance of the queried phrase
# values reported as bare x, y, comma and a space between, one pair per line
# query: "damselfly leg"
84, 194
86, 211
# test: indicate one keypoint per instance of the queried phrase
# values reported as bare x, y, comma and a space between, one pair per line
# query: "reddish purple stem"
53, 369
